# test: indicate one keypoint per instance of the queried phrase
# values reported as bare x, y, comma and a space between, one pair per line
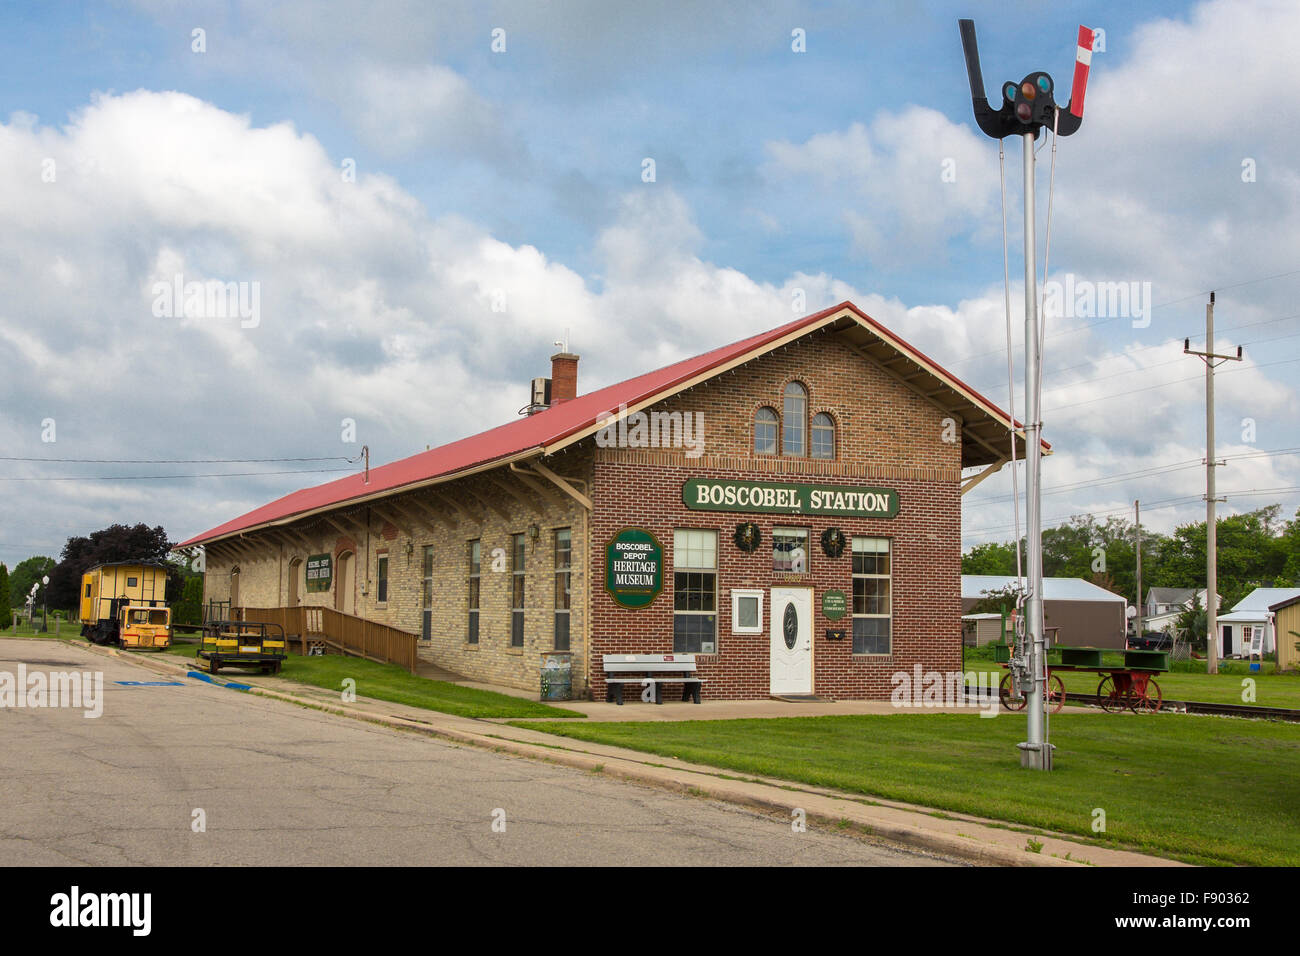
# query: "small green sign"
634, 568
789, 498
833, 605
320, 572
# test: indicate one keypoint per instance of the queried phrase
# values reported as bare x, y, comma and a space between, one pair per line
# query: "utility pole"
1138, 630
1211, 359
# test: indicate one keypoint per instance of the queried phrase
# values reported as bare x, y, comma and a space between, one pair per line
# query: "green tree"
115, 543
991, 558
1193, 624
6, 607
26, 573
188, 609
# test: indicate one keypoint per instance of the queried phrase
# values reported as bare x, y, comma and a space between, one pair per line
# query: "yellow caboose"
126, 604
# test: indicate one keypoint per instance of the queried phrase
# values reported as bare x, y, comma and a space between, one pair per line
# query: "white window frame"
736, 595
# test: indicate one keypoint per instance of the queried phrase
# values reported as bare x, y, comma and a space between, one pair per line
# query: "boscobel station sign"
788, 498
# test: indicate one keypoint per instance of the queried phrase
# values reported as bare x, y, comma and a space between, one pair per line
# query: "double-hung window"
563, 586
871, 596
695, 591
475, 577
518, 552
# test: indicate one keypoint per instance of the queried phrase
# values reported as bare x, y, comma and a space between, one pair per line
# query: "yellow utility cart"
126, 604
242, 644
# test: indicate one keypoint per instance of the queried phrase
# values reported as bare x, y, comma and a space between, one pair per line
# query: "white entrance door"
791, 631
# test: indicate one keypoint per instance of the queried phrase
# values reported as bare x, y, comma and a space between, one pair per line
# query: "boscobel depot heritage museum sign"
787, 498
634, 568
319, 572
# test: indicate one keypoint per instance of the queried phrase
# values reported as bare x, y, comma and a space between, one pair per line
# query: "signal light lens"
1028, 89
1045, 84
1023, 112
1009, 91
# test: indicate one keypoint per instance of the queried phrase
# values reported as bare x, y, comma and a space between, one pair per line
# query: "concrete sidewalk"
983, 841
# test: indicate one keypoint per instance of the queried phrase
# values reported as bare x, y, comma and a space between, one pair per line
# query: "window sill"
515, 651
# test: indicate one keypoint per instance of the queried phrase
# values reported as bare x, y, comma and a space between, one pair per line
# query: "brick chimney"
564, 377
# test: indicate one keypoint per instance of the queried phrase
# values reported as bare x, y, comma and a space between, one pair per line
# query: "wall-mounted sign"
833, 605
320, 572
634, 568
789, 498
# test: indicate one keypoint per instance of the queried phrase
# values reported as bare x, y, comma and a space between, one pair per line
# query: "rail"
346, 633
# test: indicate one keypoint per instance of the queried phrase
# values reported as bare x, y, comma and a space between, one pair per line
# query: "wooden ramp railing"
346, 633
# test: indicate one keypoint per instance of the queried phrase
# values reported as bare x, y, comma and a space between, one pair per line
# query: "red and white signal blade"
1082, 61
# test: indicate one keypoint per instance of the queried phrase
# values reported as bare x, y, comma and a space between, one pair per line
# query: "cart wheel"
275, 668
1055, 693
1109, 697
1007, 694
1148, 701
213, 666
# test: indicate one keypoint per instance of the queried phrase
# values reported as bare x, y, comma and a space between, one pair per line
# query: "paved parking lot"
280, 784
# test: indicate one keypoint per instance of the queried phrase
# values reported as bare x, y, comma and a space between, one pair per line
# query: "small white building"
1164, 606
1248, 629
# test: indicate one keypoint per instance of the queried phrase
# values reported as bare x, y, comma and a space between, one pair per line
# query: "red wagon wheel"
1007, 694
1110, 697
1146, 697
1055, 693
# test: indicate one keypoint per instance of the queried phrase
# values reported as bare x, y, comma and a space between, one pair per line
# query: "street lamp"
45, 605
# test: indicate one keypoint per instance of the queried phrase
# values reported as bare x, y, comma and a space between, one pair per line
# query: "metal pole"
1138, 629
1035, 753
1211, 528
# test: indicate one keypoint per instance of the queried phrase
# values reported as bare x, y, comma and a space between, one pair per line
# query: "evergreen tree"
6, 608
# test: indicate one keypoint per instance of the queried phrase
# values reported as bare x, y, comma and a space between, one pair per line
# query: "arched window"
823, 436
765, 422
795, 424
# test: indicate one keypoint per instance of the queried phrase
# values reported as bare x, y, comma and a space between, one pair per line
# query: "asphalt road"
281, 784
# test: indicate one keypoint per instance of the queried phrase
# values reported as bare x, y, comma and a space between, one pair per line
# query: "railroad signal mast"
1027, 107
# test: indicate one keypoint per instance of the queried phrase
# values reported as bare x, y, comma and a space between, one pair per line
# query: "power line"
179, 461
1154, 471
1155, 505
1144, 348
1113, 318
230, 474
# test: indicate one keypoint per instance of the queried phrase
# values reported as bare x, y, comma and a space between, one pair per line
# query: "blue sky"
520, 172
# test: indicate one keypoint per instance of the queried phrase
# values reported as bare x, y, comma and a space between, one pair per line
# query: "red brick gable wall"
886, 435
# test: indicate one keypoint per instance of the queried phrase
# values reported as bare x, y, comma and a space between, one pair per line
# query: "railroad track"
1199, 707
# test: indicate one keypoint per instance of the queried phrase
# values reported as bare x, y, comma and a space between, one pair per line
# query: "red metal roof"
545, 431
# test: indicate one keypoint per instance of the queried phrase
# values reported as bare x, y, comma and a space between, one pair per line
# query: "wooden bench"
655, 669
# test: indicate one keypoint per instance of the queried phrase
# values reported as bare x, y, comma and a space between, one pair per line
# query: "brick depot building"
787, 508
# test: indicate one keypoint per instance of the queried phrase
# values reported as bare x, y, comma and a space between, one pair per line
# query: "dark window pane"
562, 632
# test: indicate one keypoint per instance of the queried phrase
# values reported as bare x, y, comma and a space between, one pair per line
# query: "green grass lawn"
1203, 789
1186, 681
67, 629
392, 683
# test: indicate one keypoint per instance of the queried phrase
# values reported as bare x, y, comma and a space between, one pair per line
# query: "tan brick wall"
264, 580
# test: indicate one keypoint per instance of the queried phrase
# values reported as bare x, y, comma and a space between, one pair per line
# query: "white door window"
791, 640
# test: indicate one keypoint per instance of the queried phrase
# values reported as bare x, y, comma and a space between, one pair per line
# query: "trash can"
557, 675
